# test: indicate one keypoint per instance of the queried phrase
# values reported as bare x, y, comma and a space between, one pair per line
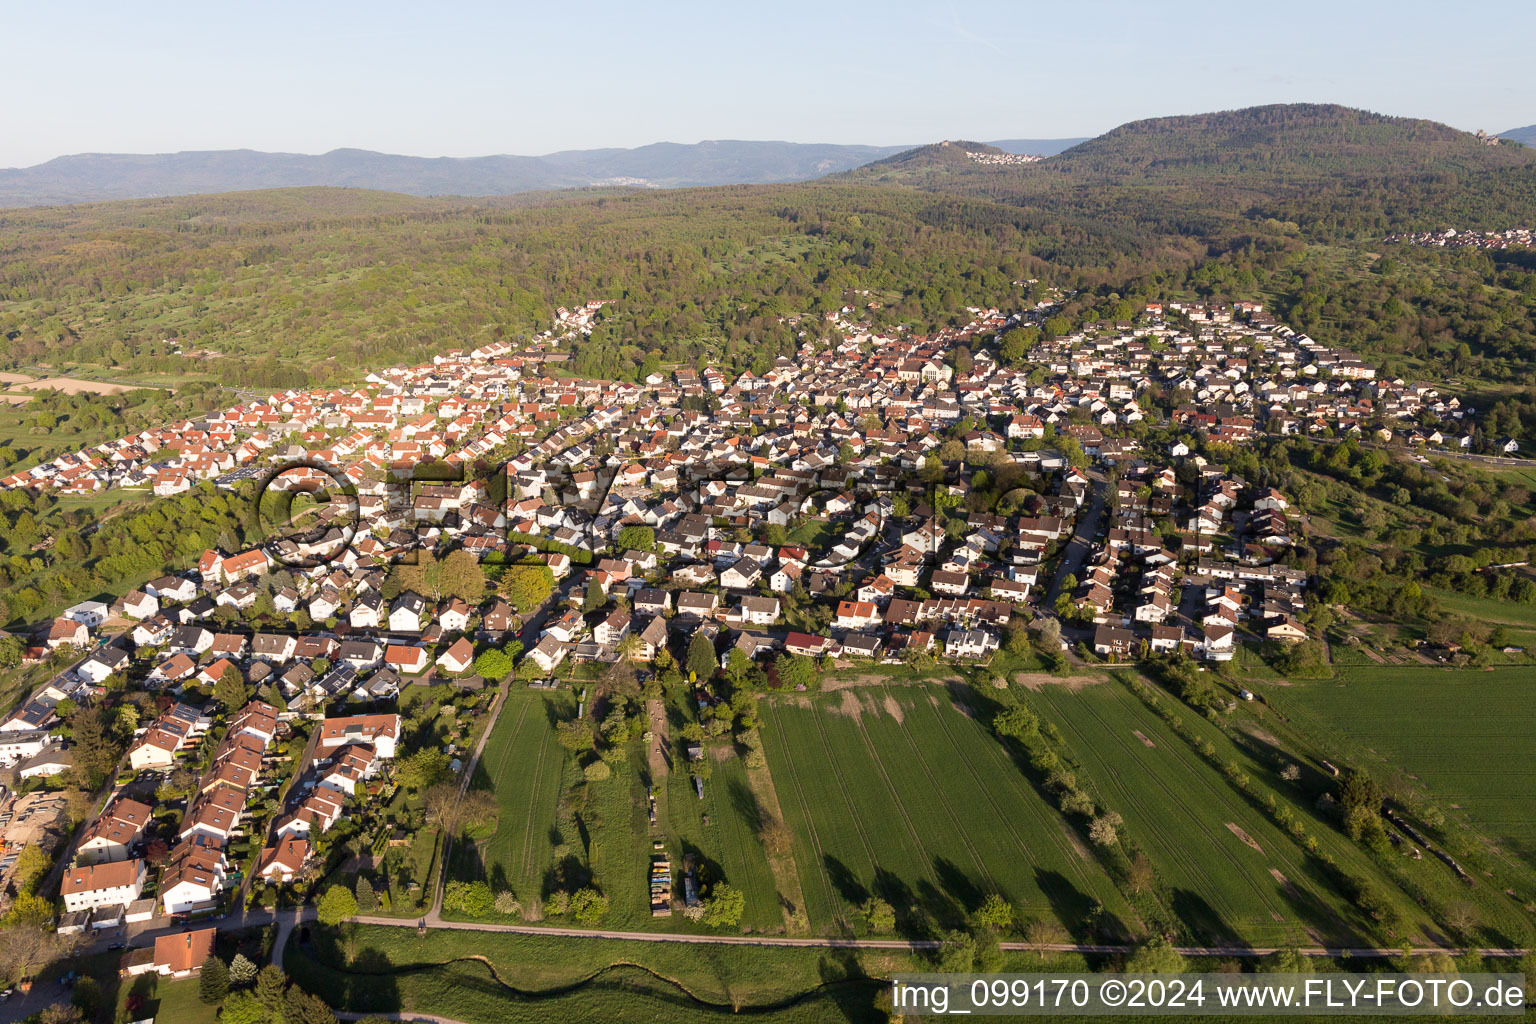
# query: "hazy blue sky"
463, 79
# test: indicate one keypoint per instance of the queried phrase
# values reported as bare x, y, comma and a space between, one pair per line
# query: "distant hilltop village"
996, 159
1450, 238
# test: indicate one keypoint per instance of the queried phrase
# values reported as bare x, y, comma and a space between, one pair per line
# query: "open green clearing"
1465, 735
1262, 738
1199, 831
897, 791
815, 535
169, 1000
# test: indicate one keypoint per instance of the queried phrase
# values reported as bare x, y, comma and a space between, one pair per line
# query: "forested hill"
1525, 136
1280, 143
1334, 171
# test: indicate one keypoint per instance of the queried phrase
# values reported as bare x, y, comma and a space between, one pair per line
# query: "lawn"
898, 791
1198, 830
167, 1000
816, 535
1463, 735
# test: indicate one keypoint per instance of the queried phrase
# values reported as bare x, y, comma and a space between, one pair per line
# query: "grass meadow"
525, 766
1231, 873
1462, 736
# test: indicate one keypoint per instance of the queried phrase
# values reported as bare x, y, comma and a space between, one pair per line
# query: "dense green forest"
290, 294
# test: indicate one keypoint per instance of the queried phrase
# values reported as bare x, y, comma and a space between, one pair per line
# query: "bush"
724, 907
597, 771
995, 913
473, 899
589, 906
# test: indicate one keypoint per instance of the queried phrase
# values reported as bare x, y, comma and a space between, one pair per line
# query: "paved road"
287, 921
836, 943
1075, 555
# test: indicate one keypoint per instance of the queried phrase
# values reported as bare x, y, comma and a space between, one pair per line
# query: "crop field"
1231, 874
897, 791
525, 765
1465, 735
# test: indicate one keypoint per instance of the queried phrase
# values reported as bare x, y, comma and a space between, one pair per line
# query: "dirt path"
1040, 680
657, 712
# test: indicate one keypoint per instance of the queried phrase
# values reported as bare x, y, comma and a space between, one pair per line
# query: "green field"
524, 765
897, 791
721, 830
549, 814
1464, 735
1192, 824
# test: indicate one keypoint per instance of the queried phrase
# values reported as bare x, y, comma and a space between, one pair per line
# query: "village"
1451, 238
820, 510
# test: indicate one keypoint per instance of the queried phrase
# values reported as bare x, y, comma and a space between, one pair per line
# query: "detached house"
407, 613
407, 659
457, 658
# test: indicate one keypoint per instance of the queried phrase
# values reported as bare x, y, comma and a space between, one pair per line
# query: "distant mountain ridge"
94, 177
1525, 136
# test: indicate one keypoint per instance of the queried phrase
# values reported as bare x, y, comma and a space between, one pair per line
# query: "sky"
457, 78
